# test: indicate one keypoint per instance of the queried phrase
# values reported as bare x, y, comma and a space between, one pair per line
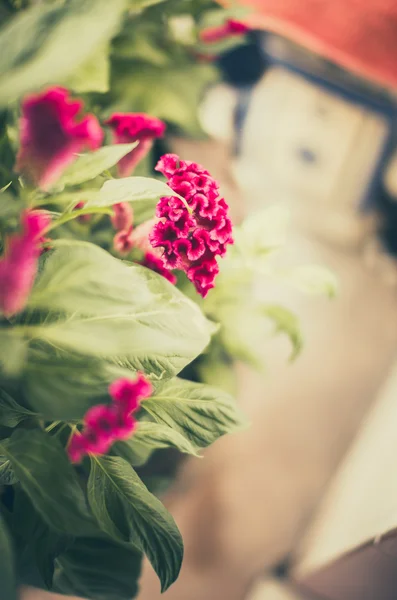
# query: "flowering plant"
99, 267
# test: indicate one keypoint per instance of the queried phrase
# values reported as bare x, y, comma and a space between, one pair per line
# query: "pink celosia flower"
220, 32
18, 265
123, 216
193, 232
123, 242
52, 135
127, 393
106, 424
134, 127
77, 447
156, 263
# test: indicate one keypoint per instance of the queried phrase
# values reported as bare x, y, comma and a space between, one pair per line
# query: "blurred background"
303, 504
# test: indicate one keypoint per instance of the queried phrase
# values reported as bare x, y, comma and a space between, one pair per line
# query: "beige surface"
361, 504
271, 589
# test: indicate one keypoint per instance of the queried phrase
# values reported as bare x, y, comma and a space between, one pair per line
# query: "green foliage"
98, 568
89, 166
94, 74
198, 411
35, 47
93, 309
47, 477
131, 189
128, 512
240, 302
286, 322
7, 567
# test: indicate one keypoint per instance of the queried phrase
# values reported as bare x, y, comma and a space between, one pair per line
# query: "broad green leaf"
62, 386
13, 348
36, 543
286, 322
199, 412
101, 307
90, 165
7, 567
151, 436
70, 198
7, 474
11, 413
131, 189
46, 475
127, 511
94, 74
312, 279
46, 44
99, 569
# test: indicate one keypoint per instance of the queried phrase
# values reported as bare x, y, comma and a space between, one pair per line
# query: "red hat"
360, 35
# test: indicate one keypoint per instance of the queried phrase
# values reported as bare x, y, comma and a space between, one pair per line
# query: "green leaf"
242, 333
62, 386
70, 198
11, 413
7, 568
101, 307
152, 436
263, 232
46, 475
127, 511
94, 74
7, 474
99, 569
162, 92
13, 348
199, 412
131, 189
286, 322
90, 165
313, 279
46, 44
36, 543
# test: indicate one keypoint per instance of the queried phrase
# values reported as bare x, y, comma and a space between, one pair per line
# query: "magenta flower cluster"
195, 228
105, 424
52, 135
18, 265
53, 132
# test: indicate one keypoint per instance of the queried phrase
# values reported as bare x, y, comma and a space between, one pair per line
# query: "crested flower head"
18, 265
105, 424
134, 127
52, 135
194, 227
